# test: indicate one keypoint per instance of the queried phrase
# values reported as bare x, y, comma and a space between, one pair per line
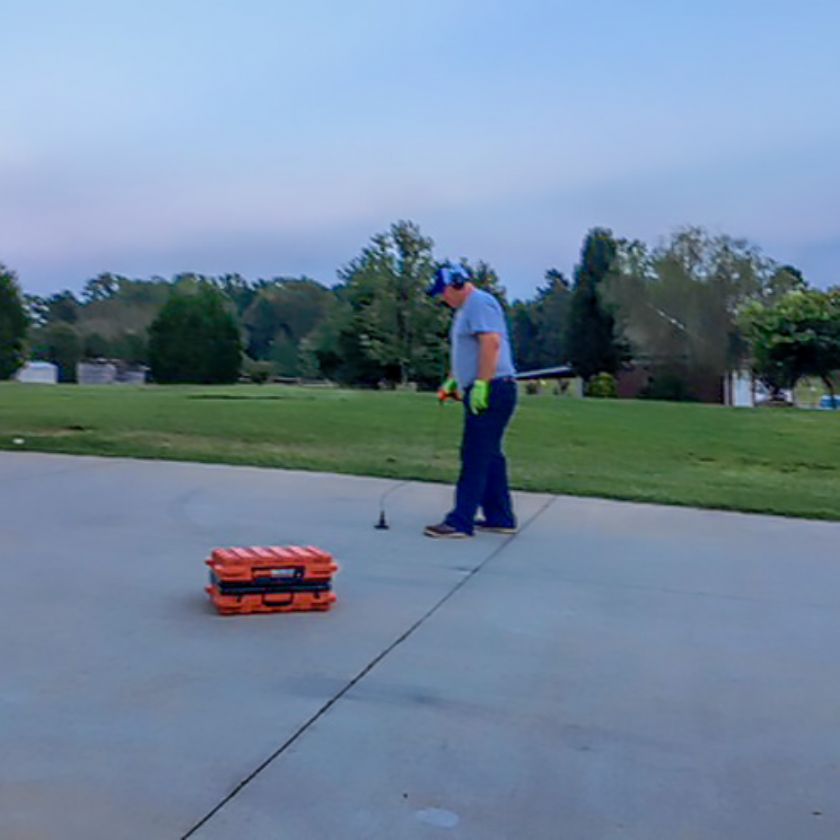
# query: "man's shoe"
483, 525
444, 532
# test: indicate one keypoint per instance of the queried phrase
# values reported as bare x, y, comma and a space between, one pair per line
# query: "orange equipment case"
272, 563
271, 579
271, 602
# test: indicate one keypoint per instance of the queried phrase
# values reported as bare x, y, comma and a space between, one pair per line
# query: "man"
482, 370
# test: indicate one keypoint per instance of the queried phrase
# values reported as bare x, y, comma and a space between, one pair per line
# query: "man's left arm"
489, 347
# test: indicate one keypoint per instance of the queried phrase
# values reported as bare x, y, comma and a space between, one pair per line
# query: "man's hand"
448, 391
480, 396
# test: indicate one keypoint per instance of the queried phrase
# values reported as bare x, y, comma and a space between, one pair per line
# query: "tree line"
690, 309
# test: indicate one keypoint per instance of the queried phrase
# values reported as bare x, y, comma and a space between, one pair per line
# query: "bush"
602, 386
195, 339
532, 388
258, 372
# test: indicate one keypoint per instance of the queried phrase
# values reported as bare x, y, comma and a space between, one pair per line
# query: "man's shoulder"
482, 299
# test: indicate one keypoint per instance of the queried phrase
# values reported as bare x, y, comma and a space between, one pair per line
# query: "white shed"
43, 373
96, 373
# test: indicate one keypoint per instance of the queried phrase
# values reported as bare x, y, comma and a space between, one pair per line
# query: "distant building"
132, 376
96, 373
41, 373
638, 378
104, 372
669, 378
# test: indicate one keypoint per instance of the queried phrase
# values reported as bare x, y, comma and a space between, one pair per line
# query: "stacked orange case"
261, 579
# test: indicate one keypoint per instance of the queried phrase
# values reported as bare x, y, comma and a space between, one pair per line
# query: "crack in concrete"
364, 672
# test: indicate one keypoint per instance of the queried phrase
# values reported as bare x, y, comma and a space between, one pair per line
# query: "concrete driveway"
614, 671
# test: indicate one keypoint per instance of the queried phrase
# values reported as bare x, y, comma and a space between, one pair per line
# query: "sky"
273, 138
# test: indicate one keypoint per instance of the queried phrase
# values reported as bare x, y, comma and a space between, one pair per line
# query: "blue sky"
274, 138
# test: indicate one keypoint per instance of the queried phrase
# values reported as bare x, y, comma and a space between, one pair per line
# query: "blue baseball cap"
447, 275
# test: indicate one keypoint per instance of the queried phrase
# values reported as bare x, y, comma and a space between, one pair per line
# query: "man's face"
452, 297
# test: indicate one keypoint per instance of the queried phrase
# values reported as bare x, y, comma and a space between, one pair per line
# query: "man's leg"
496, 502
481, 447
476, 454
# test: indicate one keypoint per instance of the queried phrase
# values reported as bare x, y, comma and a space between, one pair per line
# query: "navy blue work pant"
483, 482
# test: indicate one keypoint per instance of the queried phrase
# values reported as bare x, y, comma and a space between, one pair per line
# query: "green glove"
480, 396
449, 390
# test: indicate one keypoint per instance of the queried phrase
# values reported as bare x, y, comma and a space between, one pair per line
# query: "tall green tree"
62, 306
37, 310
553, 305
485, 277
592, 340
13, 324
540, 326
101, 287
797, 336
60, 344
195, 338
96, 346
237, 289
391, 329
280, 317
524, 335
131, 347
678, 304
325, 352
114, 319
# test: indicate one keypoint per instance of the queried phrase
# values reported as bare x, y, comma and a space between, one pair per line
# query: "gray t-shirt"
481, 313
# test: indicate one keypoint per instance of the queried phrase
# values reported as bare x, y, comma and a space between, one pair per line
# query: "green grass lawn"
778, 461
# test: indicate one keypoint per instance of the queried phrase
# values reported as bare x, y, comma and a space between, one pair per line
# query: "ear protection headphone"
456, 276
449, 276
